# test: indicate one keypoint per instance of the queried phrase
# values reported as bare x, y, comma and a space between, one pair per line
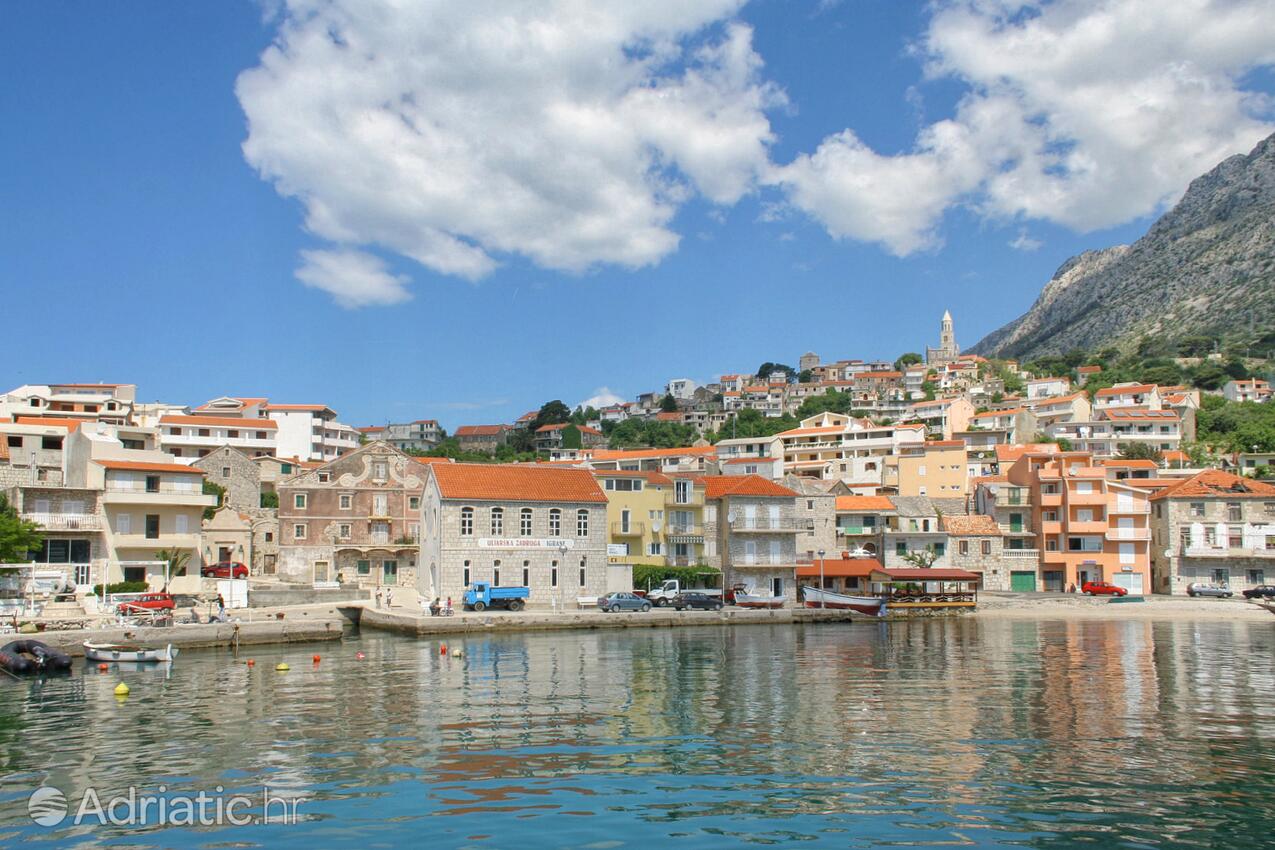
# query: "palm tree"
177, 559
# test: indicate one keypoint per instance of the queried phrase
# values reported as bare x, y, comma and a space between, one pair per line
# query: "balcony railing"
1224, 552
1118, 507
628, 529
767, 524
686, 530
1025, 554
1128, 534
142, 489
851, 530
65, 522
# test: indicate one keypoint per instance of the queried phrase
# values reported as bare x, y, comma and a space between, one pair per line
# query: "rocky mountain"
1206, 267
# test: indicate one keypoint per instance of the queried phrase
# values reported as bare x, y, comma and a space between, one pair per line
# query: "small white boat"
125, 652
816, 598
752, 600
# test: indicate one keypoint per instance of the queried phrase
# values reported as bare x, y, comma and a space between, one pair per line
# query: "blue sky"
139, 243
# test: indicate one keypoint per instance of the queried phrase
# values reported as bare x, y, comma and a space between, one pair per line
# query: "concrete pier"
198, 635
408, 621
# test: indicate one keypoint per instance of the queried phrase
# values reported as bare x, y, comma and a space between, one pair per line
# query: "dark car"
691, 599
1201, 589
623, 601
1262, 591
1102, 588
225, 569
148, 602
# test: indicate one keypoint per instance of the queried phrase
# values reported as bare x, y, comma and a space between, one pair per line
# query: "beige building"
937, 469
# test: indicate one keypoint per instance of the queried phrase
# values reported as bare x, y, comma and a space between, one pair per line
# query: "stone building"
1213, 528
948, 351
236, 471
975, 545
753, 525
542, 527
817, 515
354, 519
482, 438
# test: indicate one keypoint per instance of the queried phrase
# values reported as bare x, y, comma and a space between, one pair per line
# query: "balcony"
628, 529
684, 531
766, 524
163, 495
1095, 498
1128, 507
166, 540
65, 522
1051, 500
696, 498
854, 530
1096, 526
1017, 530
1128, 534
1053, 556
1024, 554
1189, 551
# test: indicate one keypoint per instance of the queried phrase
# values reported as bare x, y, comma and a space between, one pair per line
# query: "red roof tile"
480, 430
47, 422
720, 486
508, 483
840, 568
1215, 482
146, 466
231, 421
973, 525
864, 503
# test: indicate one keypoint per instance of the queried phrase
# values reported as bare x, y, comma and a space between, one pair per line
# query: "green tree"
17, 536
178, 560
551, 413
668, 404
269, 499
930, 390
833, 400
923, 558
1141, 451
212, 488
910, 358
764, 370
805, 376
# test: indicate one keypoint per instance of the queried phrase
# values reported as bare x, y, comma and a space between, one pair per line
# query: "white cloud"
1024, 242
568, 132
353, 278
1082, 113
602, 397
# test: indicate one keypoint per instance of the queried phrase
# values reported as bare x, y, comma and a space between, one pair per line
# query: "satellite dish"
655, 526
730, 517
1168, 553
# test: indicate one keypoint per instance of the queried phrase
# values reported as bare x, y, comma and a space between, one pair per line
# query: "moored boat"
816, 598
125, 652
752, 600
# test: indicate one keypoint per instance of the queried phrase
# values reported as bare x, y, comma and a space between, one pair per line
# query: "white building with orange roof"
1128, 394
199, 436
1084, 373
1047, 387
1074, 407
110, 403
1251, 389
305, 431
942, 417
1114, 428
835, 445
751, 527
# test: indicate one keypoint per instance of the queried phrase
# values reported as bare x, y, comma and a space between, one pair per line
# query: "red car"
225, 569
1102, 588
148, 602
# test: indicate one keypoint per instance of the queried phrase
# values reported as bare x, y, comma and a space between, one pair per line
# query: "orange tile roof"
298, 407
1009, 454
804, 432
584, 429
146, 466
649, 475
480, 430
509, 483
635, 454
882, 375
1215, 482
864, 503
232, 421
839, 568
47, 422
664, 416
1173, 455
1050, 402
1133, 388
1088, 370
973, 525
720, 486
430, 461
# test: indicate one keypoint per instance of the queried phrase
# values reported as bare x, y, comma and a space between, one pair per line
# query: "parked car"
623, 601
148, 602
225, 569
1103, 588
1201, 589
1262, 591
695, 599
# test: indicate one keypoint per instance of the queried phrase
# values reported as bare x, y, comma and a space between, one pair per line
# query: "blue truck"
480, 596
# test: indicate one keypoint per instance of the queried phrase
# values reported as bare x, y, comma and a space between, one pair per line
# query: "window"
582, 523
152, 526
900, 548
653, 548
225, 472
466, 525
583, 565
203, 432
682, 492
363, 567
555, 523
298, 531
526, 573
497, 522
152, 484
346, 501
464, 575
939, 549
325, 477
1233, 511
269, 536
380, 471
343, 531
1256, 577
495, 573
413, 503
963, 547
524, 523
261, 435
553, 573
298, 501
1197, 509
987, 547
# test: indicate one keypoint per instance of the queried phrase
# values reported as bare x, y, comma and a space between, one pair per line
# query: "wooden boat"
124, 652
752, 600
816, 598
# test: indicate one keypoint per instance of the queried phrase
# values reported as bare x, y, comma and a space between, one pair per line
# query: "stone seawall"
413, 623
196, 635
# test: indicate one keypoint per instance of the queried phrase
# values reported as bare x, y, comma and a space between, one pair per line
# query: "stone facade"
504, 556
238, 473
1188, 529
757, 539
71, 520
355, 519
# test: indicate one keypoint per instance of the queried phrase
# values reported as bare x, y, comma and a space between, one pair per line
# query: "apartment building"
73, 524
551, 438
753, 448
937, 468
1253, 389
816, 515
943, 417
302, 431
1088, 527
750, 529
354, 519
1128, 395
1017, 423
1213, 528
975, 544
544, 527
32, 449
861, 523
1118, 427
1009, 506
422, 435
635, 515
108, 403
1038, 388
837, 446
197, 436
914, 527
1049, 412
482, 438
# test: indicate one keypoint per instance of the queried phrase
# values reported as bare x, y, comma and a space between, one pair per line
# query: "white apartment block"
1146, 396
303, 431
1047, 387
836, 446
1104, 436
1254, 389
198, 436
111, 403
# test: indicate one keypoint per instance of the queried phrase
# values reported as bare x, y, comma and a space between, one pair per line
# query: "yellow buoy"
281, 667
121, 690
456, 653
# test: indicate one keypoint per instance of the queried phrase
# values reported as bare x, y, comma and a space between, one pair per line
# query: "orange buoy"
442, 650
316, 659
251, 662
103, 668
